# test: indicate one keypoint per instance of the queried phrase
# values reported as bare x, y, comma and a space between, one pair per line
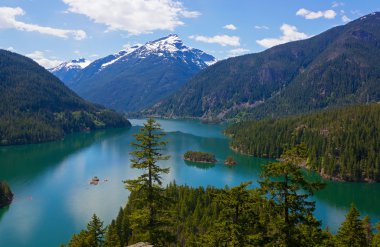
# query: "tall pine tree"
149, 222
289, 190
351, 232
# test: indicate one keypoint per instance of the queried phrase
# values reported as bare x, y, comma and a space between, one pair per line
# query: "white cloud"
289, 33
133, 16
237, 52
40, 58
8, 20
262, 27
223, 40
336, 4
311, 15
345, 19
230, 27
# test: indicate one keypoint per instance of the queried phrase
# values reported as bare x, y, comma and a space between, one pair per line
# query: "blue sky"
52, 31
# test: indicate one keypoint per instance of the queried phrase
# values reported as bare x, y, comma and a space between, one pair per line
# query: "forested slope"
342, 144
35, 106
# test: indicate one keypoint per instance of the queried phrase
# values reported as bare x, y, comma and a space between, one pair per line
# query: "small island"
199, 157
6, 195
230, 161
95, 180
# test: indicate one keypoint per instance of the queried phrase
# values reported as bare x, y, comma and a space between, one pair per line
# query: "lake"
53, 198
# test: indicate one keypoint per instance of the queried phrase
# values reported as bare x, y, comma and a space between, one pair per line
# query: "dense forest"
342, 143
338, 67
201, 157
36, 107
277, 213
6, 195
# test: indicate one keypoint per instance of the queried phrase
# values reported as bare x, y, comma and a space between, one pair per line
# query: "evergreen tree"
351, 232
112, 236
368, 231
376, 237
93, 236
237, 219
284, 181
149, 219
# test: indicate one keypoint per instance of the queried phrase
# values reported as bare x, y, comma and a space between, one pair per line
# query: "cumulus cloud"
262, 27
40, 58
289, 33
311, 15
223, 40
134, 16
237, 52
8, 20
230, 27
345, 19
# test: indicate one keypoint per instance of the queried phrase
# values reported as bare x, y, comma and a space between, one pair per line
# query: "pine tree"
112, 236
368, 233
351, 232
376, 237
149, 220
284, 181
237, 219
96, 231
93, 236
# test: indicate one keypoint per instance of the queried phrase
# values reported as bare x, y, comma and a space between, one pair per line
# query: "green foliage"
93, 236
238, 222
150, 220
335, 68
376, 237
36, 107
352, 232
340, 143
6, 195
201, 157
283, 182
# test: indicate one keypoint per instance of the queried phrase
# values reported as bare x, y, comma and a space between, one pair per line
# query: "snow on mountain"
80, 63
136, 76
170, 46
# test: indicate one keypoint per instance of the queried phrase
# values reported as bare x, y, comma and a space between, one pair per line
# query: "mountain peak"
79, 63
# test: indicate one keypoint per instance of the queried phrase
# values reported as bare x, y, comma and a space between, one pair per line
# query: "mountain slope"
140, 75
68, 70
337, 67
35, 106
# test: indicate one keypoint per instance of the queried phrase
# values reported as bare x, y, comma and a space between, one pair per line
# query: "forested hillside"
36, 107
342, 144
335, 68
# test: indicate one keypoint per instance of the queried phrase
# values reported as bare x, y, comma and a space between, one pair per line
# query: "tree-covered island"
199, 157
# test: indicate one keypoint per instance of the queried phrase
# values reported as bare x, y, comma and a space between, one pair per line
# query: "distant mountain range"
35, 106
136, 77
338, 67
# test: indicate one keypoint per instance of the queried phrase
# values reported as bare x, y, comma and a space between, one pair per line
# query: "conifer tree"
93, 236
284, 181
368, 231
376, 237
150, 219
351, 232
237, 219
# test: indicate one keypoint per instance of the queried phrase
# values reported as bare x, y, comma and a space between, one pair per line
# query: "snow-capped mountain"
68, 70
140, 75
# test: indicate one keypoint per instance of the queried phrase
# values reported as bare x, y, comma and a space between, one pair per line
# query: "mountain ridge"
140, 75
327, 70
